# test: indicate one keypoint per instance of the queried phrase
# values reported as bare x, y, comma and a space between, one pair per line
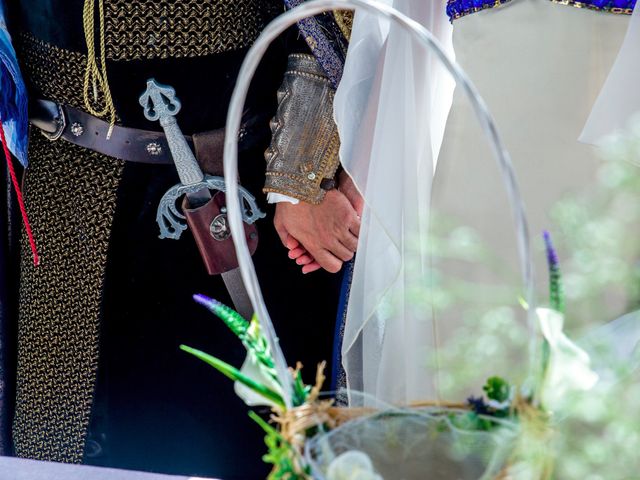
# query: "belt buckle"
61, 125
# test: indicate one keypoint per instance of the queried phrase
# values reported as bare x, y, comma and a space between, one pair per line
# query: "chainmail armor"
147, 29
70, 195
71, 199
55, 73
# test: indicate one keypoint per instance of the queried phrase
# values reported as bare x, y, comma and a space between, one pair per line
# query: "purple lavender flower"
478, 405
556, 291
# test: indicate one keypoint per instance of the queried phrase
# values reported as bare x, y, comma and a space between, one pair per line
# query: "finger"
312, 267
358, 204
354, 226
282, 232
291, 242
348, 187
350, 241
328, 261
296, 252
305, 260
355, 199
340, 251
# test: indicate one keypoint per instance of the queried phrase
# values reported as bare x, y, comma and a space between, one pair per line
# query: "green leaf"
281, 454
300, 390
249, 333
235, 375
497, 389
236, 323
264, 425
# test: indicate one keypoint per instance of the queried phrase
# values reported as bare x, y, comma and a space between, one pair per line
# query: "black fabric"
159, 409
37, 17
156, 408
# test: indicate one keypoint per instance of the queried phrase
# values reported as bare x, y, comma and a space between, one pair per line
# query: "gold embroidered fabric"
305, 143
146, 29
344, 19
70, 195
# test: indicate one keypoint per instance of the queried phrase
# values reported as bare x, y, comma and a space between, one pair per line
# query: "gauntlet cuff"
305, 143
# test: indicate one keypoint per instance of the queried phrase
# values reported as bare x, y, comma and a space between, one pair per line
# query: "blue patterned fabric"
13, 95
338, 375
460, 8
325, 40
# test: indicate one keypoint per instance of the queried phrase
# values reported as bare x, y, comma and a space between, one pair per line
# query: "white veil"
391, 109
619, 99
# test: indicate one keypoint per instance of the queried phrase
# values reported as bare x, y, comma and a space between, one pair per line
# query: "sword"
161, 104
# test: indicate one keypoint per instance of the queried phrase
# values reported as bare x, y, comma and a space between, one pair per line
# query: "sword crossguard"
172, 222
159, 101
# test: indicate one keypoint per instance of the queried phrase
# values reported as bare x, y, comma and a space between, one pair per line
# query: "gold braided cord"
95, 75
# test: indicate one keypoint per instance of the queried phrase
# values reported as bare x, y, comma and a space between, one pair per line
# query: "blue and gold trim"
460, 8
326, 41
621, 7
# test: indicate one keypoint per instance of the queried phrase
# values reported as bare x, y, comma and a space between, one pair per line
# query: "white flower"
256, 371
352, 465
253, 369
569, 366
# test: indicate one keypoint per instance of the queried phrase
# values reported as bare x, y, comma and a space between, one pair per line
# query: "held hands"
324, 235
346, 186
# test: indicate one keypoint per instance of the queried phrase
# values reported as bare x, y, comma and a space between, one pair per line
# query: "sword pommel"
160, 104
159, 101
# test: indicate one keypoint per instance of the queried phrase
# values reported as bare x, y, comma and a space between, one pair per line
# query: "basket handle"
249, 66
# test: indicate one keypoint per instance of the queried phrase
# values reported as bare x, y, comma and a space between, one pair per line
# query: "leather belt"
80, 128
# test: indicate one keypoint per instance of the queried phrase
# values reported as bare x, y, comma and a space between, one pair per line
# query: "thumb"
282, 231
349, 189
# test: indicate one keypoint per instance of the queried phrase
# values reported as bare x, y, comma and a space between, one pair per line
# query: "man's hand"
348, 188
324, 235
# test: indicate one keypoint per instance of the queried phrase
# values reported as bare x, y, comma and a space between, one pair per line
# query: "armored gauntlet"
303, 157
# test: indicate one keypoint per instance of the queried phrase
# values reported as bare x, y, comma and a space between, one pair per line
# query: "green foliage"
300, 390
471, 421
282, 455
235, 375
286, 460
497, 389
249, 333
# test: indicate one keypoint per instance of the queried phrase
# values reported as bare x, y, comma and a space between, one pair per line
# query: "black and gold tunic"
100, 376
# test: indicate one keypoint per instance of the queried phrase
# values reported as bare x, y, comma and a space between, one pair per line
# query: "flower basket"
409, 443
504, 434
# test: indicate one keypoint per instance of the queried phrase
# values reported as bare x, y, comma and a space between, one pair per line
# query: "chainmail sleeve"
303, 156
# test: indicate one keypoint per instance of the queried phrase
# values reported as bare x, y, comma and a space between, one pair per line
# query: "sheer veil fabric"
540, 67
619, 100
391, 110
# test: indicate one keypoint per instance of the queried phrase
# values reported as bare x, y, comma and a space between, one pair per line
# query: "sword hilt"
160, 104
